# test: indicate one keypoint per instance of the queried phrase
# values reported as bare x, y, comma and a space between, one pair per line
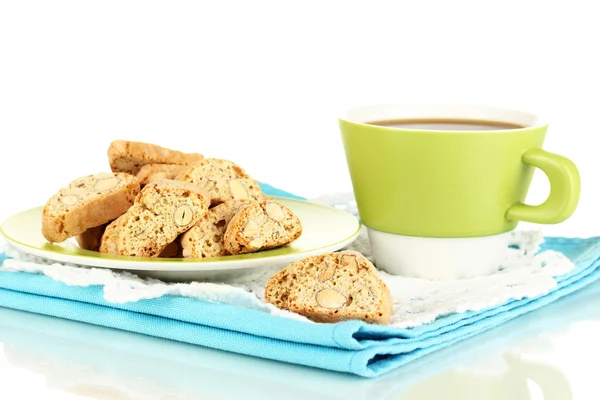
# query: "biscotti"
108, 243
160, 202
260, 226
155, 172
162, 211
205, 239
332, 287
87, 202
127, 156
223, 180
91, 238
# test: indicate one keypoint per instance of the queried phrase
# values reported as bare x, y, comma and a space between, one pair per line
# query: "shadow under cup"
440, 203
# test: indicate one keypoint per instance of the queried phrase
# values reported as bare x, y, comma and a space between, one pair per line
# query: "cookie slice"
205, 239
224, 180
87, 202
108, 243
162, 211
261, 226
127, 156
332, 287
91, 238
155, 172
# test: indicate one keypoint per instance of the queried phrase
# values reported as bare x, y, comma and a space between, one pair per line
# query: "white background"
263, 82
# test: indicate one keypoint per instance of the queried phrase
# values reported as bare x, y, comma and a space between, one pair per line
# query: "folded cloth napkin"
352, 346
84, 354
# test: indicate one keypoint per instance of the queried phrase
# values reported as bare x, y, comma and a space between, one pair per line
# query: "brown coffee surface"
446, 124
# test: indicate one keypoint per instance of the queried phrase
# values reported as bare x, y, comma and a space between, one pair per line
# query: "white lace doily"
416, 301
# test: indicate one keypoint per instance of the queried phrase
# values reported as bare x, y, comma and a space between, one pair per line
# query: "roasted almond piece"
69, 200
330, 298
252, 229
106, 184
349, 261
184, 215
274, 211
238, 190
326, 271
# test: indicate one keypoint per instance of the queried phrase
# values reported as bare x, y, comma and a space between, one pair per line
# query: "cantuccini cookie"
108, 243
223, 180
127, 156
162, 211
261, 226
91, 238
332, 287
205, 239
88, 202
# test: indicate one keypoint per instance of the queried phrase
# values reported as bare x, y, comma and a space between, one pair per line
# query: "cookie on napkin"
332, 287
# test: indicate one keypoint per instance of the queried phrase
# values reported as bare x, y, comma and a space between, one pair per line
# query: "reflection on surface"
89, 380
513, 384
108, 364
102, 363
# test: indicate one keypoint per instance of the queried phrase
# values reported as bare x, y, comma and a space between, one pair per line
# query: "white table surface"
551, 353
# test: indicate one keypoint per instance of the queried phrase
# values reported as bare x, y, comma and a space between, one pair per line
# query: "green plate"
324, 229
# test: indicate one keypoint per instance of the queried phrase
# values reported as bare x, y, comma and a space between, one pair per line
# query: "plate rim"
180, 264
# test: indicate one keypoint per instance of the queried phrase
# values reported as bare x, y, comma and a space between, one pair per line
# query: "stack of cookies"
159, 202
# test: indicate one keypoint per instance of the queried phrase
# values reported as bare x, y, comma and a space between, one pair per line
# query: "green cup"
427, 183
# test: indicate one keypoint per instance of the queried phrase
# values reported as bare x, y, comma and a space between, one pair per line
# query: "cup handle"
564, 189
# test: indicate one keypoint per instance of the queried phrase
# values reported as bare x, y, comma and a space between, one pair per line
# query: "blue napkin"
352, 346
